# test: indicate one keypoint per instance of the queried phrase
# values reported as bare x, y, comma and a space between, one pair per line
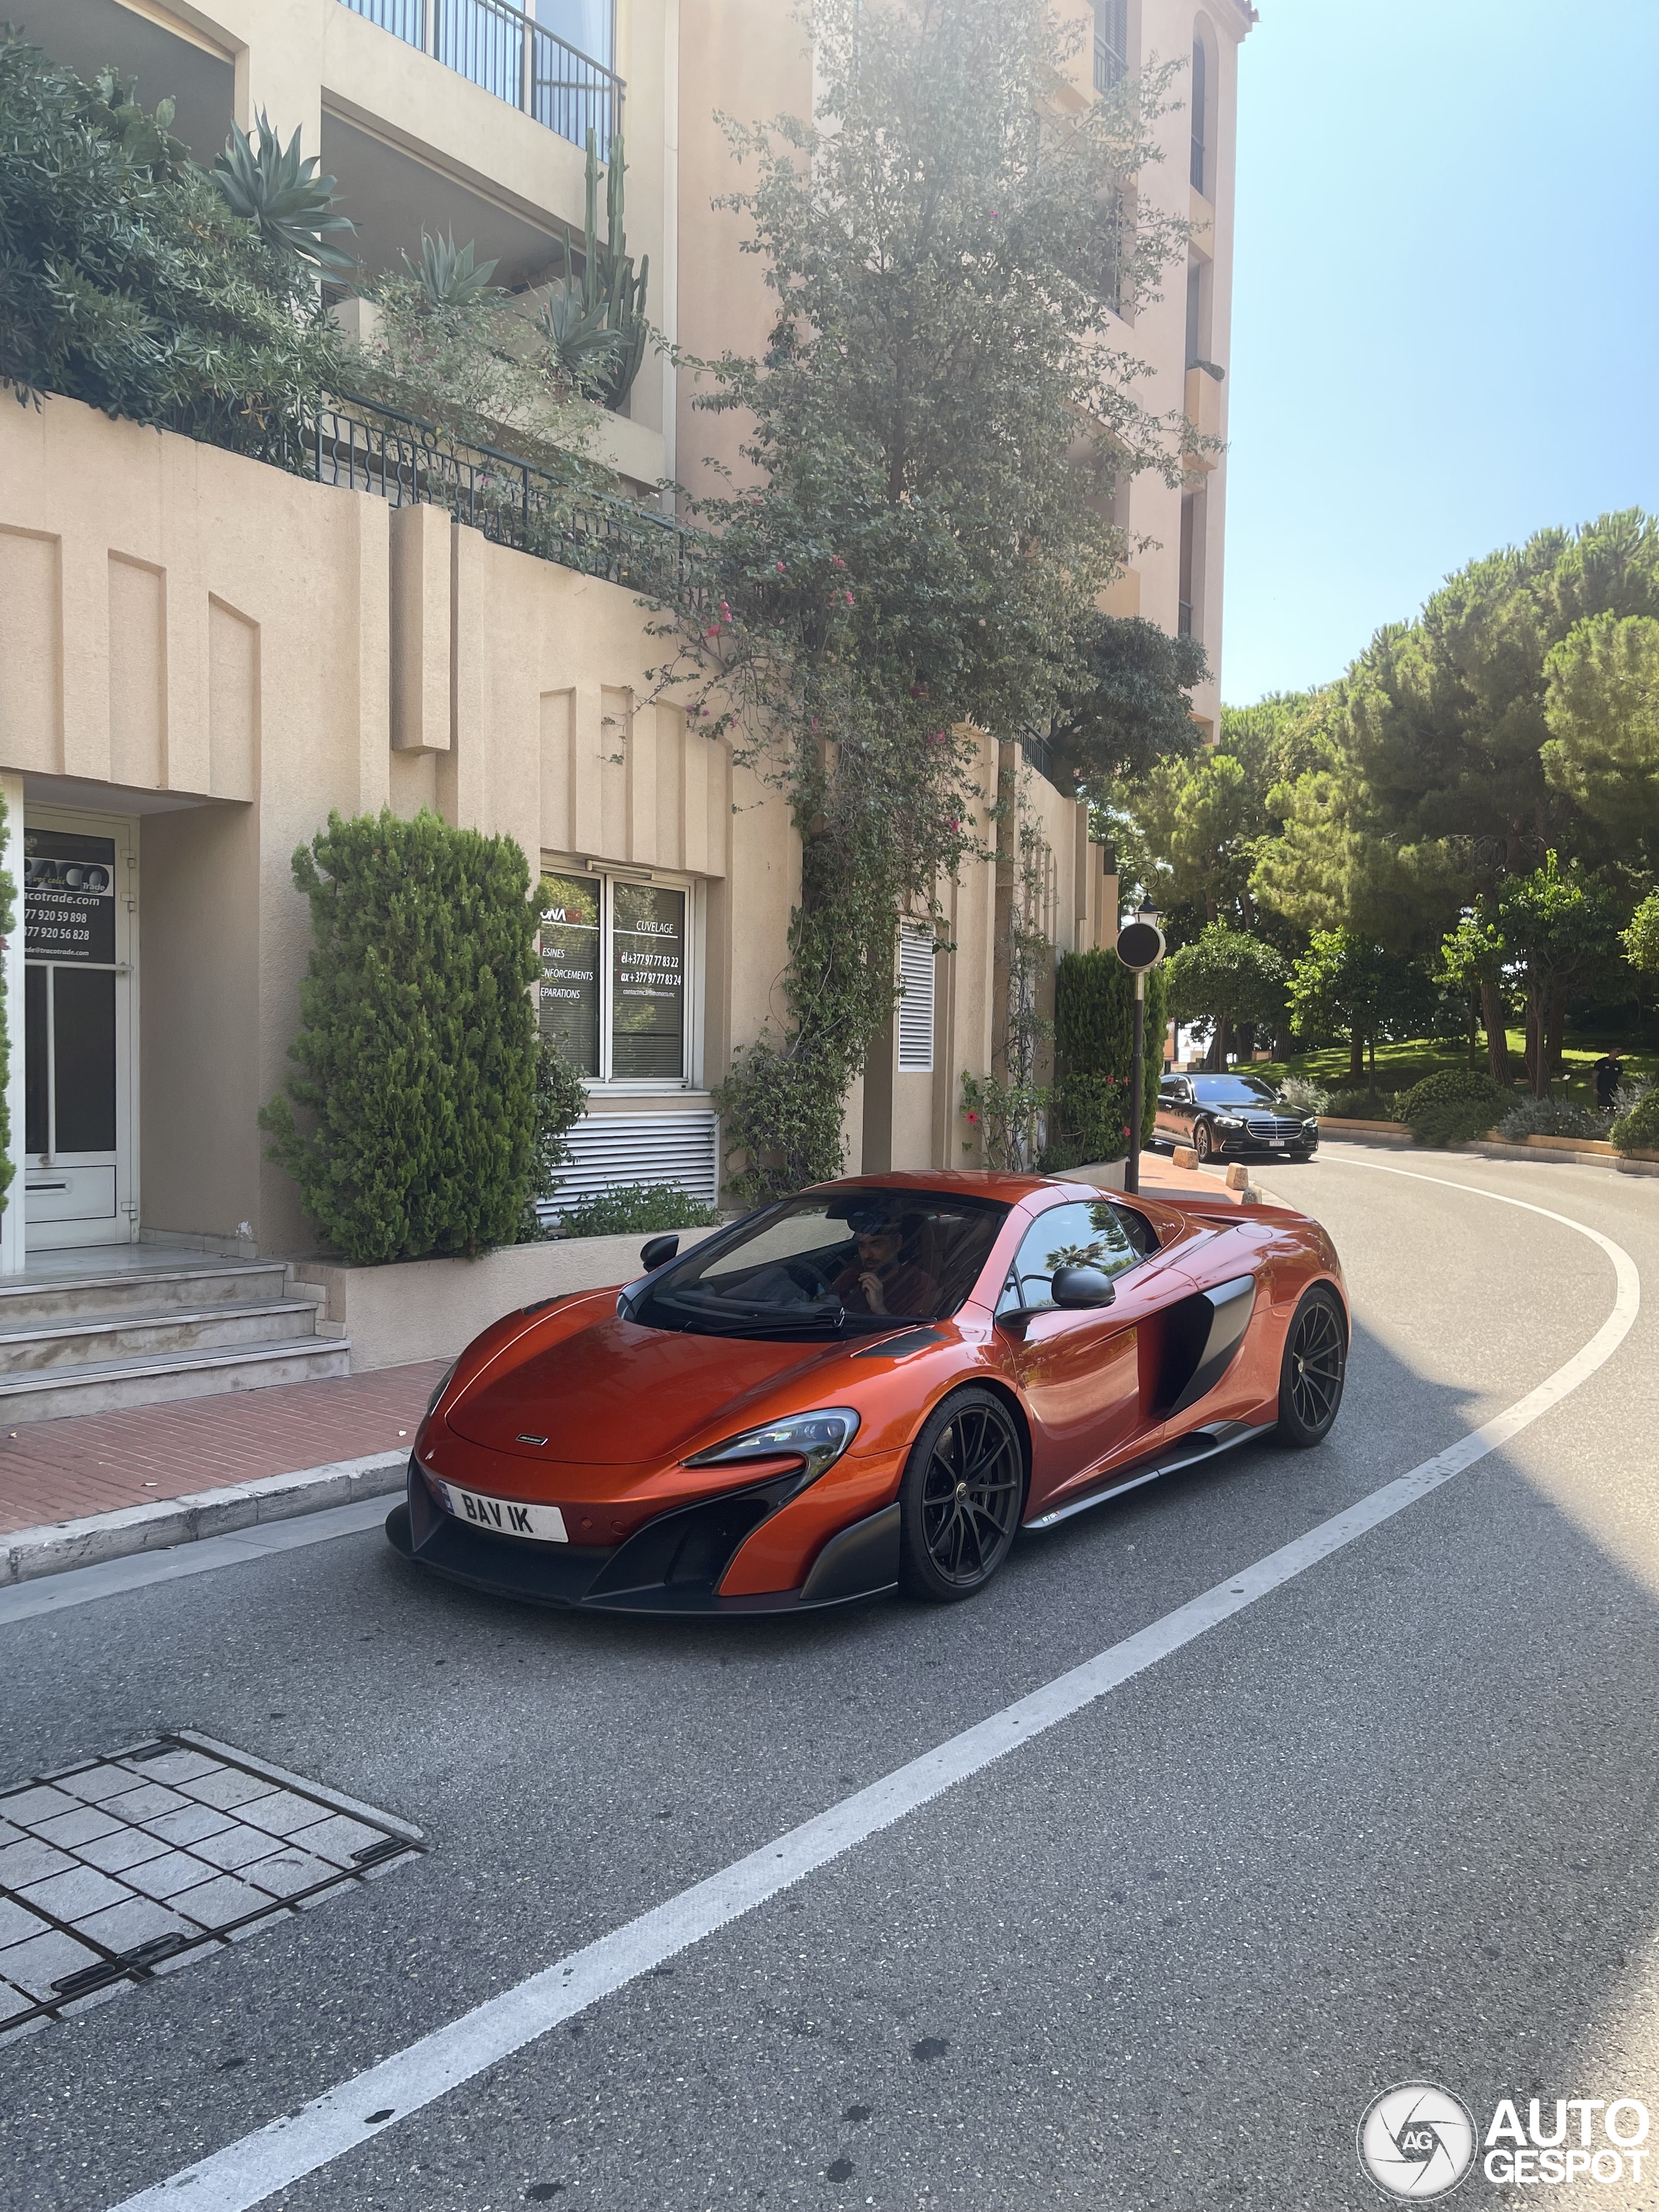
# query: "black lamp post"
1140, 947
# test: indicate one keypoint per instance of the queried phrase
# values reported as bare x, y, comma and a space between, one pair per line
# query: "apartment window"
1195, 313
587, 25
1111, 43
616, 958
915, 1007
1188, 554
1200, 97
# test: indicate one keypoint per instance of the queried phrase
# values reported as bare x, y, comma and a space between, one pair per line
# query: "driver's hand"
870, 1284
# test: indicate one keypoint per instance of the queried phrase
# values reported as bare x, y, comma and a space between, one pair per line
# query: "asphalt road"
1396, 1820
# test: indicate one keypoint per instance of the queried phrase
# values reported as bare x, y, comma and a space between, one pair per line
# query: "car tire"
1204, 1142
1313, 1369
960, 1500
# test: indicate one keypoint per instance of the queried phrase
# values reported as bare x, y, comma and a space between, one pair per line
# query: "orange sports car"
873, 1385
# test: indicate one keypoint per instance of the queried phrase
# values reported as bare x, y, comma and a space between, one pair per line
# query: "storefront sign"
69, 897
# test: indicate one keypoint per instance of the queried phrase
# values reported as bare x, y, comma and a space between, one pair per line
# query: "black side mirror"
657, 1251
1081, 1286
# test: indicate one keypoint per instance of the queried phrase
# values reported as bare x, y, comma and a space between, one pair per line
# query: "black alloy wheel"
1204, 1141
1311, 1374
961, 1498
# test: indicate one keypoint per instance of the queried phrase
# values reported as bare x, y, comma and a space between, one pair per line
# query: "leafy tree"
1553, 924
1641, 939
126, 282
1347, 984
416, 1044
1223, 977
920, 548
1131, 707
1603, 710
1472, 964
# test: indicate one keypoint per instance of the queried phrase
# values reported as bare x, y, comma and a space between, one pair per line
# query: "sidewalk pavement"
96, 1486
91, 1465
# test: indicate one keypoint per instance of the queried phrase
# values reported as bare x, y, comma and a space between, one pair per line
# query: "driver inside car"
876, 1281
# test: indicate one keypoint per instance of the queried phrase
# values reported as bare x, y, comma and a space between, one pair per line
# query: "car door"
1175, 1109
1078, 1368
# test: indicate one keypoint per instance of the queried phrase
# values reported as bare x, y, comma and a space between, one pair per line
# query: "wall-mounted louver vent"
915, 1007
611, 1150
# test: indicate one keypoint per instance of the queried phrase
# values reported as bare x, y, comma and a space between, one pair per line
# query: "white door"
80, 903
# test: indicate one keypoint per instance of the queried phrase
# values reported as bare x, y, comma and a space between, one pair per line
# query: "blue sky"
1446, 305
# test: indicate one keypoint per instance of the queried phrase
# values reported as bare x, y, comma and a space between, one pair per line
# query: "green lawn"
1399, 1066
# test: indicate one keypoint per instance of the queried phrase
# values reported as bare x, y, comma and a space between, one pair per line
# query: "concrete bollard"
1185, 1157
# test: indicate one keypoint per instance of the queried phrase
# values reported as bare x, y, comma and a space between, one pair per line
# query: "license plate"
1276, 1140
505, 1516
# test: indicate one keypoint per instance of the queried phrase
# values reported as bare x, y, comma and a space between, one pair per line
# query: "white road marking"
244, 2174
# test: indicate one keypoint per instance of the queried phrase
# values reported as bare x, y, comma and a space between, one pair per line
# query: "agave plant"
583, 350
281, 195
449, 274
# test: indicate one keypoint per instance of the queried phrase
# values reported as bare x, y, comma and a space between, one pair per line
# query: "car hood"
614, 1394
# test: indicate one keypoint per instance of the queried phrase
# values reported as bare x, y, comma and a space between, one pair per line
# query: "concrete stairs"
187, 1327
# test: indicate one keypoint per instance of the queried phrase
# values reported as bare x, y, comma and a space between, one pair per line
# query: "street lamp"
1140, 947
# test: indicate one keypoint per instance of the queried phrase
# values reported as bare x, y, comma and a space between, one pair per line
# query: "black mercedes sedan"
1229, 1115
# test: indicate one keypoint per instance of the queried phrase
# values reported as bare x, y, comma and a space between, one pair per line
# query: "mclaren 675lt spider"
873, 1385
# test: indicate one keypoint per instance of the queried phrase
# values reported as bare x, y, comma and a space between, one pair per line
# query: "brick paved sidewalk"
97, 1462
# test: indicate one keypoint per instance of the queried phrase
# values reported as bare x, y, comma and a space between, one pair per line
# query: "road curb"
58, 1546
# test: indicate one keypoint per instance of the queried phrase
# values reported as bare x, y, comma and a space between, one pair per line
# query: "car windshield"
822, 1265
1233, 1091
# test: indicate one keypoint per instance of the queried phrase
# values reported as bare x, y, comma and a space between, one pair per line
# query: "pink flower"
836, 561
973, 1117
849, 598
780, 567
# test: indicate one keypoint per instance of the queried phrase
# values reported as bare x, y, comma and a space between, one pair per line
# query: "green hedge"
1453, 1106
8, 893
418, 1128
1094, 1048
638, 1209
1638, 1130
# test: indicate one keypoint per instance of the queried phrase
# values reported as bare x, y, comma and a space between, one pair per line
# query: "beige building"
201, 655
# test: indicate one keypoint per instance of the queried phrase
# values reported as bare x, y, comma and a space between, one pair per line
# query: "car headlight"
442, 1384
1228, 1122
819, 1438
1310, 1128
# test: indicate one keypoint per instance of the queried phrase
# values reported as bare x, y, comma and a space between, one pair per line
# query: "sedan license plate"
1276, 1140
505, 1516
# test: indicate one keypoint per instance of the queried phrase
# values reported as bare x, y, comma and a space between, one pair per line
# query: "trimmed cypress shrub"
1094, 1051
415, 1132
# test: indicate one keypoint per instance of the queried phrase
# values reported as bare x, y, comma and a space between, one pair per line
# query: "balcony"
500, 47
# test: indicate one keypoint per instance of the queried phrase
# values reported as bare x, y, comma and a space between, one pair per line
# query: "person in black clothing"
1609, 1076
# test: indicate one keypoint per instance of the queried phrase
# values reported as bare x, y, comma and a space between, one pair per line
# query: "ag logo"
1417, 2140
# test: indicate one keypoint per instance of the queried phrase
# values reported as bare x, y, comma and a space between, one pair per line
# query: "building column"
11, 989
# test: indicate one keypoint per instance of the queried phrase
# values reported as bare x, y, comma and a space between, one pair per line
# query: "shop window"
616, 960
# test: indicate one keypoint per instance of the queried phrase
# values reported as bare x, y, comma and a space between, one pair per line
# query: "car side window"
1169, 1087
1136, 1227
1081, 1234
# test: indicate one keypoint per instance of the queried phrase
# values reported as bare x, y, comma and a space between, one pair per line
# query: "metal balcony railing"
507, 51
361, 446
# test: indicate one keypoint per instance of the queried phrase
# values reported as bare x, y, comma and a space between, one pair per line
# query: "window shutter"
915, 1007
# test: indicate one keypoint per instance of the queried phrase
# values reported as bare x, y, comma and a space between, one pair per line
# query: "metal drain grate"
127, 1867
